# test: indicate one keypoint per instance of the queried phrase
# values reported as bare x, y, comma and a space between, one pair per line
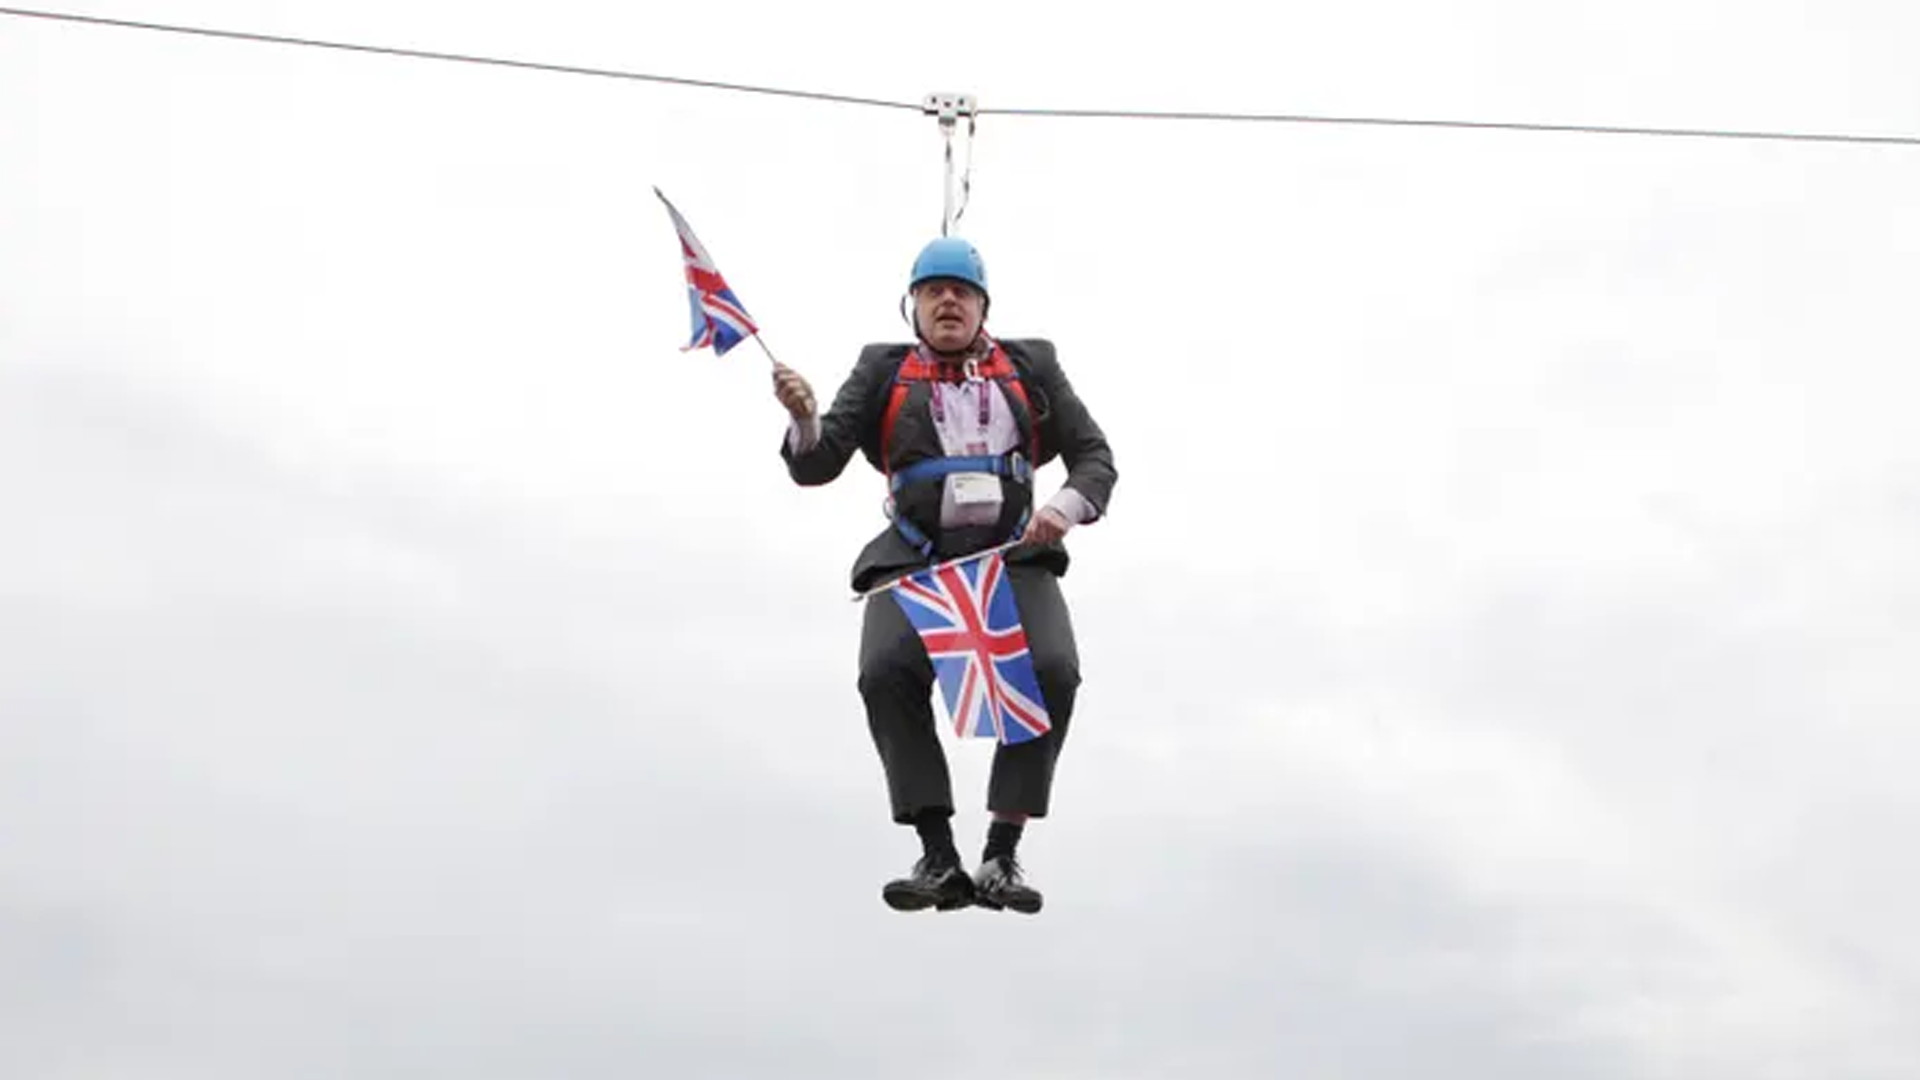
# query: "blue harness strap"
1013, 465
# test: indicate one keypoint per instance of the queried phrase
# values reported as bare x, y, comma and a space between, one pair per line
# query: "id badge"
970, 489
972, 499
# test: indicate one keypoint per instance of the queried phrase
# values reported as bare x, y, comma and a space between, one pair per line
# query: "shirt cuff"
1072, 505
803, 435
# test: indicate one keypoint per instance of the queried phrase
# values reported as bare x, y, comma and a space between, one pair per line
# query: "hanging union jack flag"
719, 319
968, 621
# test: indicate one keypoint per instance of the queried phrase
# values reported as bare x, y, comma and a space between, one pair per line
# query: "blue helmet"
950, 257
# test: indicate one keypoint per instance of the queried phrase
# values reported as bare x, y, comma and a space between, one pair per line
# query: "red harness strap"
916, 367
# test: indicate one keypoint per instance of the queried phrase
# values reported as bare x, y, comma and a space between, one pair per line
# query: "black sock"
936, 833
1002, 838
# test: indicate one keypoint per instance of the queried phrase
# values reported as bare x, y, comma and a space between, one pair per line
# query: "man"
958, 422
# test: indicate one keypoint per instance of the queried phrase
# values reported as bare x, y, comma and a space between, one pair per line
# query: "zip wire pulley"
948, 109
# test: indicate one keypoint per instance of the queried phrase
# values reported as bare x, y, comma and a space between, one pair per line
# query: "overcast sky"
1499, 655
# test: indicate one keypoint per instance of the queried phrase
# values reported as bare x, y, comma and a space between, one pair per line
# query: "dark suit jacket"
852, 422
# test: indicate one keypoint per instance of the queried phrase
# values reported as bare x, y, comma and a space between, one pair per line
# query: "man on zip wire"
958, 422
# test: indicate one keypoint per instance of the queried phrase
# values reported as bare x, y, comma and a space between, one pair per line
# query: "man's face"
950, 313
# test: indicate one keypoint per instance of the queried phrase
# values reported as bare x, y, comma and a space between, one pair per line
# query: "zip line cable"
1044, 113
423, 54
1587, 129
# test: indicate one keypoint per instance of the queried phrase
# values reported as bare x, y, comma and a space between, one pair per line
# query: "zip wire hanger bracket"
948, 109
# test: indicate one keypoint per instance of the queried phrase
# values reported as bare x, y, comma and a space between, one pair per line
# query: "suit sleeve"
816, 452
1070, 428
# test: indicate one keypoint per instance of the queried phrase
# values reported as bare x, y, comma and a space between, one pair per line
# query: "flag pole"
764, 349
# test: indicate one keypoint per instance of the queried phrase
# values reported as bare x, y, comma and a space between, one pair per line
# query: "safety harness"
917, 367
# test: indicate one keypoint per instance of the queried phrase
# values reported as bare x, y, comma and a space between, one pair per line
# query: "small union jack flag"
968, 621
720, 321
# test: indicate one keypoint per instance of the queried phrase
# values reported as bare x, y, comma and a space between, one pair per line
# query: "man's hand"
792, 391
1045, 527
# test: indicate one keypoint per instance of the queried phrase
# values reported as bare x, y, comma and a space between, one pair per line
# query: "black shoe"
940, 883
1000, 883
